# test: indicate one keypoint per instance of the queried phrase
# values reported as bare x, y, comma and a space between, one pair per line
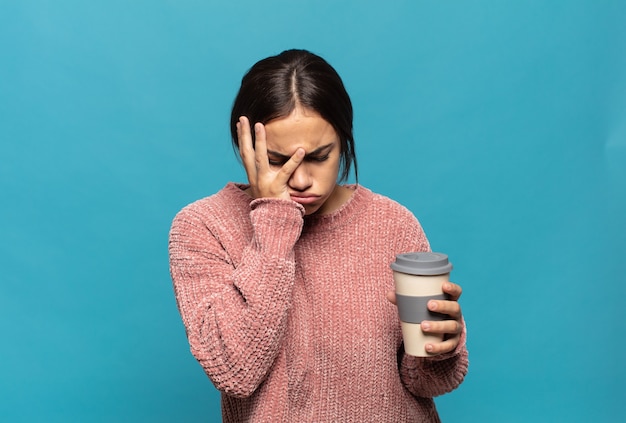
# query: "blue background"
501, 125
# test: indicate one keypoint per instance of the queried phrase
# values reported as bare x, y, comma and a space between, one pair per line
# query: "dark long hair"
274, 86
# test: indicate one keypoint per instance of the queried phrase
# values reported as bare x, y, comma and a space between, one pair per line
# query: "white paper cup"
419, 278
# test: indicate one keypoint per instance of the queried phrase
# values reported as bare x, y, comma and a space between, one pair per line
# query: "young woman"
284, 284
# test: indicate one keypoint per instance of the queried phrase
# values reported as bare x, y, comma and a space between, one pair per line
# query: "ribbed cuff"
277, 224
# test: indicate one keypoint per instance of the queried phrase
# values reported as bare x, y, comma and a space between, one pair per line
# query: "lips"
305, 199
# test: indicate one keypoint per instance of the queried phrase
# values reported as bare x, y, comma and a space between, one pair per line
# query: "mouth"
305, 199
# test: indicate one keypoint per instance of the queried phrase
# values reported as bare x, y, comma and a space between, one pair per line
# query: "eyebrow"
315, 152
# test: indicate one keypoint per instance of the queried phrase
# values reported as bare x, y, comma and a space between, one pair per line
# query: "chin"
308, 211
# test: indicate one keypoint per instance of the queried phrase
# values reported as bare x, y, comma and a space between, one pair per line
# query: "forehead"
302, 128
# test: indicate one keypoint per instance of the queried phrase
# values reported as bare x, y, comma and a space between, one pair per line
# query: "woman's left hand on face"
451, 328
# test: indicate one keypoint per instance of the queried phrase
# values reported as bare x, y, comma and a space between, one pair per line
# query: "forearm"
235, 310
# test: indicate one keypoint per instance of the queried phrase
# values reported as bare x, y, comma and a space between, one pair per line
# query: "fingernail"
429, 347
425, 326
432, 305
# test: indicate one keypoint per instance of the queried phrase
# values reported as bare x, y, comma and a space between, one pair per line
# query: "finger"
451, 308
453, 290
391, 296
443, 347
442, 327
246, 150
260, 148
244, 136
290, 166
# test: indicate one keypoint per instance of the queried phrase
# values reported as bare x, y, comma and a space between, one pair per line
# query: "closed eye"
277, 159
318, 158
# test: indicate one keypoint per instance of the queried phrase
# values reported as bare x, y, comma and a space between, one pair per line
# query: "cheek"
332, 171
326, 173
337, 165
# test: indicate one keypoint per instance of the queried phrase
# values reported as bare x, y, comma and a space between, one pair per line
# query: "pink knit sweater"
288, 315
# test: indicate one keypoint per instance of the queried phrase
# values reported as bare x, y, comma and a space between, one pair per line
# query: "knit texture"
287, 314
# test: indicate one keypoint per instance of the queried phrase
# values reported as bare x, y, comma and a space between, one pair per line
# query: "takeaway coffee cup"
419, 278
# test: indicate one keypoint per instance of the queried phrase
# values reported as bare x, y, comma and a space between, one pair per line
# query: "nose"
300, 179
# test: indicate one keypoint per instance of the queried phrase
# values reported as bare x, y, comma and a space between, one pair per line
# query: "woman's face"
314, 182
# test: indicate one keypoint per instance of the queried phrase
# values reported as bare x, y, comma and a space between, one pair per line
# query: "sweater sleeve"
429, 377
235, 314
433, 376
